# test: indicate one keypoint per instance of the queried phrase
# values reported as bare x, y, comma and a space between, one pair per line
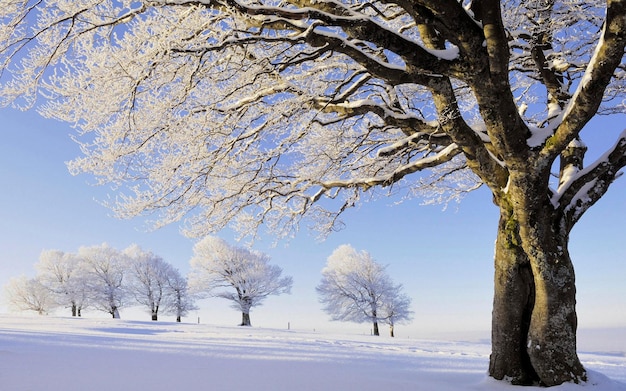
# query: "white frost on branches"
237, 274
28, 294
106, 270
264, 113
357, 289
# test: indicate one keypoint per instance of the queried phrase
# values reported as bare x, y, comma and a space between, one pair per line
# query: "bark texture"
513, 304
534, 315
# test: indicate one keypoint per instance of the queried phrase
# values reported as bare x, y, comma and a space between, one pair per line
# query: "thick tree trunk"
534, 316
73, 309
552, 334
178, 319
155, 316
376, 332
512, 307
245, 319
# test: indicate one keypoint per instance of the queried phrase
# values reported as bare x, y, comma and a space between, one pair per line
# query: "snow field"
67, 354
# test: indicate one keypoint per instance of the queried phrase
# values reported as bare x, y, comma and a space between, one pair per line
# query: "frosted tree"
64, 275
181, 301
265, 113
238, 274
356, 288
28, 294
105, 267
396, 309
148, 279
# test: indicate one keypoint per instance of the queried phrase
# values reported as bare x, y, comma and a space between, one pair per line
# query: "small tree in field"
396, 308
355, 288
180, 300
148, 276
105, 268
64, 275
28, 294
237, 274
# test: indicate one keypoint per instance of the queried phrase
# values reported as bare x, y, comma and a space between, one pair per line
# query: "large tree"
237, 274
262, 112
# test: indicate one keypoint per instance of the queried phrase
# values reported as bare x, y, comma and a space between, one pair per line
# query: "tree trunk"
512, 307
178, 319
115, 312
391, 331
73, 309
534, 317
79, 311
552, 334
155, 317
376, 328
245, 319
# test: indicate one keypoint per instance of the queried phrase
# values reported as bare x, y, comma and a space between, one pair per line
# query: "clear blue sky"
444, 259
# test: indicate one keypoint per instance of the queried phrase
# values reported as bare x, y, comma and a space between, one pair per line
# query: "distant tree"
64, 275
396, 308
219, 269
180, 300
148, 279
105, 269
355, 288
29, 294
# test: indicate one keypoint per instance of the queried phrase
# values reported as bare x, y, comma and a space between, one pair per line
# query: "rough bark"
512, 307
552, 334
534, 315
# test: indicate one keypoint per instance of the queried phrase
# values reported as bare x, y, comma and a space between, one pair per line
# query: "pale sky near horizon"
444, 259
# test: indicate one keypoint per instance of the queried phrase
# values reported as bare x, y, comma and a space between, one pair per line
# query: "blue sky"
444, 259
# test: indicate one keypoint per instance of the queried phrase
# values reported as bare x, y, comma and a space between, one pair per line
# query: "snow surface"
63, 354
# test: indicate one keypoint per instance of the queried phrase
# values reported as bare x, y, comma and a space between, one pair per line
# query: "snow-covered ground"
64, 354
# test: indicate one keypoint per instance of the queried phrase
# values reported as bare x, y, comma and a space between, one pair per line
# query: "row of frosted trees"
353, 287
103, 278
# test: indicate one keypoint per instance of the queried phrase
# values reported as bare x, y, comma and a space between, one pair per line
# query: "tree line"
354, 287
105, 279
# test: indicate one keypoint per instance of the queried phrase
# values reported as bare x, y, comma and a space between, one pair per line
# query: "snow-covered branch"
590, 91
444, 155
579, 190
